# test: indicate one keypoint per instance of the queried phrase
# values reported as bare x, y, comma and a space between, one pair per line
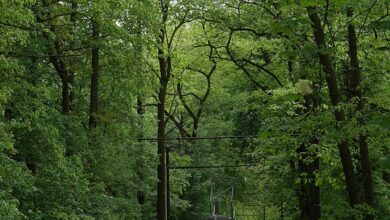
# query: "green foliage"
267, 82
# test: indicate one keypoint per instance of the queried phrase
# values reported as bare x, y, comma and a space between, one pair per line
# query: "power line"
199, 138
213, 167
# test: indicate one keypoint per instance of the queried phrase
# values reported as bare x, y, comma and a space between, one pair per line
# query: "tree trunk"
93, 108
314, 165
335, 96
65, 94
313, 190
165, 73
161, 169
309, 163
309, 193
356, 93
59, 66
303, 192
71, 74
141, 192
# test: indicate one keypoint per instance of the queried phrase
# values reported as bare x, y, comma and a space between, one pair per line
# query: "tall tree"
356, 94
335, 96
94, 92
164, 59
62, 46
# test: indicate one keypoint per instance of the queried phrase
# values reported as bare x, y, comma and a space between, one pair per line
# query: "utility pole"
168, 193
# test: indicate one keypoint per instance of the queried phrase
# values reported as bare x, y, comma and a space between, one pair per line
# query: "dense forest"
194, 109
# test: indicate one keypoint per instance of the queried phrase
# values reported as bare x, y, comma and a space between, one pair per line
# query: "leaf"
383, 48
307, 3
385, 164
380, 25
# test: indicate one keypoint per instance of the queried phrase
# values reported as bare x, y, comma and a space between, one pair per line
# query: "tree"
88, 88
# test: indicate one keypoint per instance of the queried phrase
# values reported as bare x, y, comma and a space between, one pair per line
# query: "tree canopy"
194, 109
